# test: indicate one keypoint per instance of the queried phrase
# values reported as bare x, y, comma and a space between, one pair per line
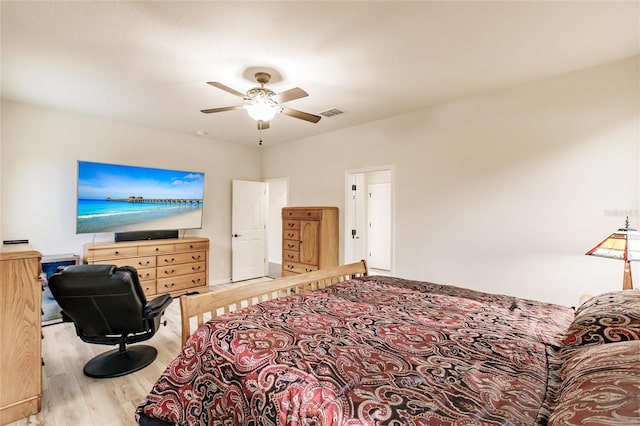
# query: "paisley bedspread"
369, 351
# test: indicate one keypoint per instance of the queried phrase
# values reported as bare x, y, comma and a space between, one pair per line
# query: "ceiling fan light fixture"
262, 109
263, 103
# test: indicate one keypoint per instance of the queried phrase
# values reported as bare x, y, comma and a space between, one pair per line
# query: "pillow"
609, 317
600, 386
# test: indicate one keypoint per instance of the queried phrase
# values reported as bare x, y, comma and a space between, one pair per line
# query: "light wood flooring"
72, 399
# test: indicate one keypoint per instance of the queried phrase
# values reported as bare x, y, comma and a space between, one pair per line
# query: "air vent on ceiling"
331, 112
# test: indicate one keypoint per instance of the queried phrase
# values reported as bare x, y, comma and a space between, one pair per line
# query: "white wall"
501, 192
39, 153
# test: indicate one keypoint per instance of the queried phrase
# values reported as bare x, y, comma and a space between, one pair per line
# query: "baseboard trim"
222, 281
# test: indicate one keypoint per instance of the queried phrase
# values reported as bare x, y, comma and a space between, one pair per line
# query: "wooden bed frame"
202, 307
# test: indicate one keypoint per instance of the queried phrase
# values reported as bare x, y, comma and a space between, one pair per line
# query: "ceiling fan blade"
229, 108
263, 125
226, 88
289, 95
301, 115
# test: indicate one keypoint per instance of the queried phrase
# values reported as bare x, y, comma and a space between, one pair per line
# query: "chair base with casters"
107, 306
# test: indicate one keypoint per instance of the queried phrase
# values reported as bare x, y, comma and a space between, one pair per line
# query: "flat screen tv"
121, 198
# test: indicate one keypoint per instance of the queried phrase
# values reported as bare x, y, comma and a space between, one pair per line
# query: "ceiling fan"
264, 104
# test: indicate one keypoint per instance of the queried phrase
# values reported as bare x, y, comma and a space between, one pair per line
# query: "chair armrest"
157, 306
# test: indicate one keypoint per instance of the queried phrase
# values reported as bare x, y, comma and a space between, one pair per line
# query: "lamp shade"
624, 244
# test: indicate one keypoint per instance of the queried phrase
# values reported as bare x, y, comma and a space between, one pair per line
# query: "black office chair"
107, 306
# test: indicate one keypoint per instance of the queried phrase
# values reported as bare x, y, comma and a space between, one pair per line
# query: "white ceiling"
148, 62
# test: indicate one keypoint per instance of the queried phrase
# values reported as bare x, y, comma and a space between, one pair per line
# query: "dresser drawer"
181, 282
291, 234
156, 249
195, 245
148, 288
113, 253
291, 256
290, 224
291, 245
181, 269
146, 274
136, 262
298, 268
144, 262
174, 259
302, 214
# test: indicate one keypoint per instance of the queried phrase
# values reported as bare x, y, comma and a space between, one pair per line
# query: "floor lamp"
623, 244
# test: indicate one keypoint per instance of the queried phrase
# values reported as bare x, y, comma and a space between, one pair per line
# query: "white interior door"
379, 210
248, 229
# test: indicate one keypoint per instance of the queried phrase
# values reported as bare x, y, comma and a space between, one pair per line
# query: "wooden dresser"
309, 239
21, 333
173, 266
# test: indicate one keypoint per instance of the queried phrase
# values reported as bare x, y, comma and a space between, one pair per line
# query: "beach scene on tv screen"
119, 198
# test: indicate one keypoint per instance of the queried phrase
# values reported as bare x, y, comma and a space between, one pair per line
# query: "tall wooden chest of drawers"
309, 239
20, 333
173, 266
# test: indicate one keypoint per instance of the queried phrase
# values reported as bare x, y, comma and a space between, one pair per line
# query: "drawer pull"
290, 245
196, 281
117, 252
291, 225
190, 246
157, 248
173, 271
290, 266
196, 257
290, 235
194, 268
145, 276
169, 285
169, 261
290, 256
144, 264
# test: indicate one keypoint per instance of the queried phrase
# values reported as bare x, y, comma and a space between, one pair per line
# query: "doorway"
278, 190
369, 218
